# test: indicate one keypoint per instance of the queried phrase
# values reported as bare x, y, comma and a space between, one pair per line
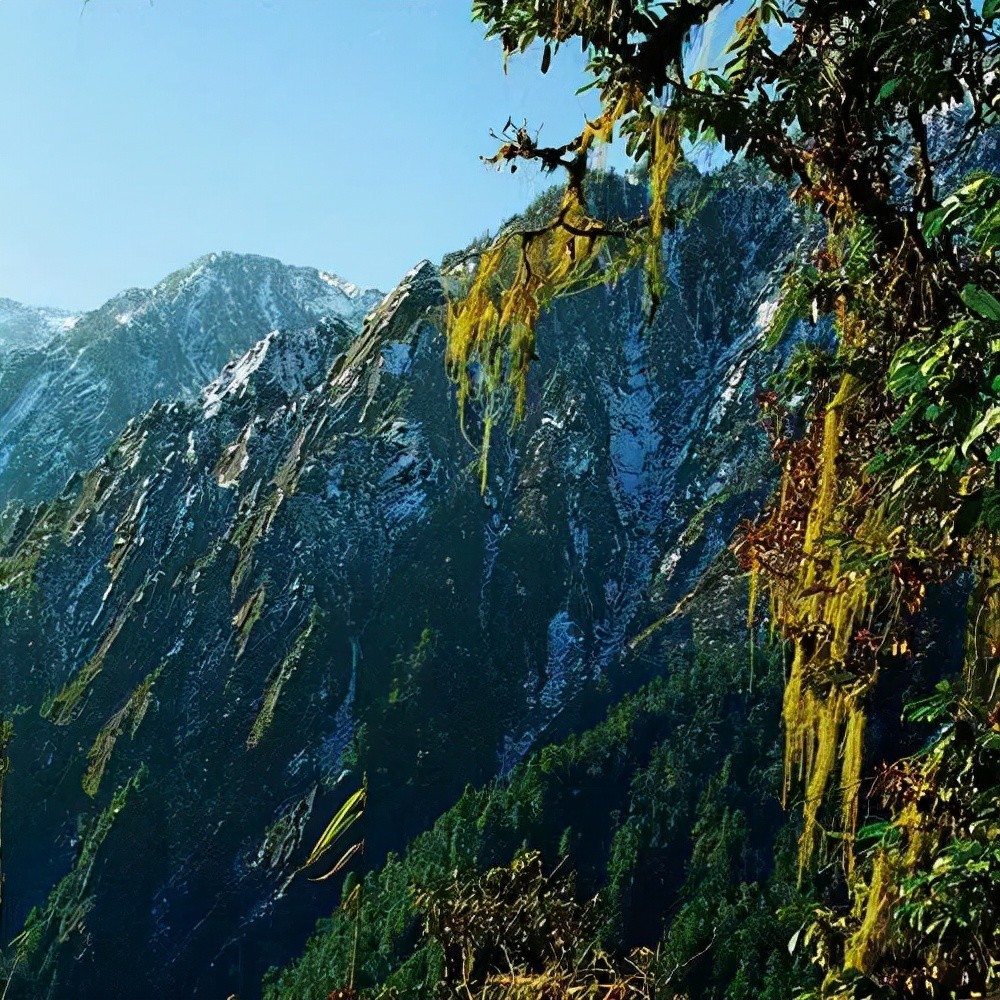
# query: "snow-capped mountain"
30, 326
289, 576
64, 398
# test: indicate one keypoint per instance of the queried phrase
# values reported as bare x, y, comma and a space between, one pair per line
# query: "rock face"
262, 592
71, 382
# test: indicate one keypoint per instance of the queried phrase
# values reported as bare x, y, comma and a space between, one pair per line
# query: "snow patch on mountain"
235, 377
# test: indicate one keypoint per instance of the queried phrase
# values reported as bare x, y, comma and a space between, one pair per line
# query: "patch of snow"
347, 287
565, 659
235, 376
24, 405
333, 746
734, 378
397, 358
765, 314
636, 444
515, 750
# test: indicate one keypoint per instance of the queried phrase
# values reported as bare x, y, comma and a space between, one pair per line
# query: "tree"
872, 110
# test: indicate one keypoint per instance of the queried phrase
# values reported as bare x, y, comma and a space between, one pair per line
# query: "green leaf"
988, 422
982, 302
888, 89
933, 708
991, 742
348, 814
942, 461
990, 9
342, 862
933, 221
793, 941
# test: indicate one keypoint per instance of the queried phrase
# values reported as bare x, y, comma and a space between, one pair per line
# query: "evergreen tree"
876, 113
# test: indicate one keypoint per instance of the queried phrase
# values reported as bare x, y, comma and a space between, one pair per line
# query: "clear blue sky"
344, 134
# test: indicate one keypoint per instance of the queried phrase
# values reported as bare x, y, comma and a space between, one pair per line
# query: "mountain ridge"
294, 569
63, 401
24, 325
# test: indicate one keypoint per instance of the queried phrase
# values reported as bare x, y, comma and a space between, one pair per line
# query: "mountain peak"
91, 373
232, 261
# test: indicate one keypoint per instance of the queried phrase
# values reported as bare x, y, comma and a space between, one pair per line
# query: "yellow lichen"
822, 608
664, 154
850, 777
754, 587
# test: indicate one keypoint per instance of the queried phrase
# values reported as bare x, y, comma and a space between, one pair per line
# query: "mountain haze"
30, 326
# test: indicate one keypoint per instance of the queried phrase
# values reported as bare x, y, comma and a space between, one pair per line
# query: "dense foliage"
635, 857
889, 445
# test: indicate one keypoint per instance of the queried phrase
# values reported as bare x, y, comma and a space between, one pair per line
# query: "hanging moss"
491, 323
872, 906
665, 151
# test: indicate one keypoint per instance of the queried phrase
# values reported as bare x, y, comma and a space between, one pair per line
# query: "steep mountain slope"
257, 595
667, 809
63, 402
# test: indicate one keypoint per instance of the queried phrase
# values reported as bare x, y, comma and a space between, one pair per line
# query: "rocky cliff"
265, 589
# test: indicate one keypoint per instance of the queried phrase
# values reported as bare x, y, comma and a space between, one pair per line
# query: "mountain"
65, 399
648, 854
265, 590
30, 326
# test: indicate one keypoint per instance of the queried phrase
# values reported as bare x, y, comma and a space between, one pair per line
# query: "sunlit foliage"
889, 445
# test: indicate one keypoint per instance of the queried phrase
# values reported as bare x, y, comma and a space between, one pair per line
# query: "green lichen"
92, 492
408, 669
277, 680
284, 835
47, 928
63, 707
6, 736
28, 540
248, 616
232, 461
129, 715
253, 521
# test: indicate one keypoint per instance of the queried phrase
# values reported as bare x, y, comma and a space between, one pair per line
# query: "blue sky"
345, 134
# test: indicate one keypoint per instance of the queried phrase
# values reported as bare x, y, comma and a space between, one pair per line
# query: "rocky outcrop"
261, 592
